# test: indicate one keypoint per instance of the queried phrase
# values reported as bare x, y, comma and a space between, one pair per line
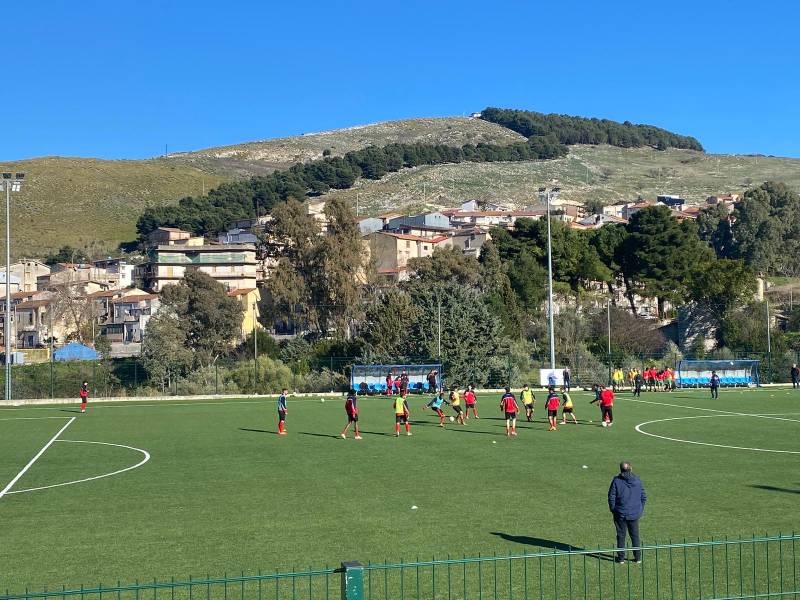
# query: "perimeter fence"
735, 569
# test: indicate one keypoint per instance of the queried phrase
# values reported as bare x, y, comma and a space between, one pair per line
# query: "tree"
498, 293
208, 317
661, 255
445, 265
470, 334
720, 285
165, 353
389, 318
608, 242
67, 254
630, 335
714, 226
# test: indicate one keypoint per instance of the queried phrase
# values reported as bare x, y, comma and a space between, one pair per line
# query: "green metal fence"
756, 567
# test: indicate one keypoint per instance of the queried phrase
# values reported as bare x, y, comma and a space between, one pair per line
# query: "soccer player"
401, 415
84, 395
351, 408
282, 410
606, 407
455, 402
471, 401
567, 376
528, 401
508, 404
648, 379
567, 408
403, 383
552, 403
436, 406
389, 383
715, 381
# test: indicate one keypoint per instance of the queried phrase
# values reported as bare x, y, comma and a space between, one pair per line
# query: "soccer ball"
452, 419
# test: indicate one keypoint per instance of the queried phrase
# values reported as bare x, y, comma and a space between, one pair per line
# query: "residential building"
169, 236
433, 219
15, 283
614, 210
26, 272
674, 202
81, 278
238, 236
128, 317
631, 209
391, 251
469, 241
233, 265
370, 225
118, 272
493, 218
249, 299
729, 201
597, 221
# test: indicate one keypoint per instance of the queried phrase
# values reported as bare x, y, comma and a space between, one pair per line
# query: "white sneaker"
358, 437
408, 433
343, 436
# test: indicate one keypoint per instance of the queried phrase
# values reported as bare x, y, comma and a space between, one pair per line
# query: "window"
30, 318
425, 247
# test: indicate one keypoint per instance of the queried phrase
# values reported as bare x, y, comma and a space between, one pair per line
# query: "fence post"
352, 580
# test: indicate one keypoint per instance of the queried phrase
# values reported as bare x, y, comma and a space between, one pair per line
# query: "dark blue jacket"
626, 496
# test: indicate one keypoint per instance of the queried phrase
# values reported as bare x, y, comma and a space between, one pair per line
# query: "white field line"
34, 459
775, 416
31, 418
640, 429
145, 453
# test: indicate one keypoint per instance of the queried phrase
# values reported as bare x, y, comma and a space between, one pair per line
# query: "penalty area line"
11, 483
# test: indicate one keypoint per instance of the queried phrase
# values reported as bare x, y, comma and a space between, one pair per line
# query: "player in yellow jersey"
401, 415
455, 402
567, 408
528, 401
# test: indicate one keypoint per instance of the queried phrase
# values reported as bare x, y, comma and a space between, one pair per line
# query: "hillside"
89, 202
95, 203
605, 173
255, 158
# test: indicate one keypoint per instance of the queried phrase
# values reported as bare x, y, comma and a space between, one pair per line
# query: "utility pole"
544, 192
439, 303
608, 320
11, 185
769, 346
52, 356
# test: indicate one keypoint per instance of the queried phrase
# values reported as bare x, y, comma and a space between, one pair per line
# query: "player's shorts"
458, 409
567, 411
471, 404
281, 415
352, 418
402, 419
528, 406
438, 411
552, 413
511, 415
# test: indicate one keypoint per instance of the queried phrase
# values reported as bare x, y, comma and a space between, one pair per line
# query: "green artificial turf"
223, 493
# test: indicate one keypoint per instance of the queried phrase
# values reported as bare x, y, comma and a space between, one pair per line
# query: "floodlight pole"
439, 304
769, 346
547, 193
7, 183
7, 319
608, 319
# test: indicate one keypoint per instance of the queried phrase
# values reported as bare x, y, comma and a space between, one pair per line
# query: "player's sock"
408, 428
83, 406
397, 428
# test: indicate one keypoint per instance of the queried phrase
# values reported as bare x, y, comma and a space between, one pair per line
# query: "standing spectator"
432, 376
637, 384
84, 394
567, 376
626, 500
551, 379
795, 373
714, 381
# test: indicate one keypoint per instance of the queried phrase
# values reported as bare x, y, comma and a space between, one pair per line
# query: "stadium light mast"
547, 196
11, 182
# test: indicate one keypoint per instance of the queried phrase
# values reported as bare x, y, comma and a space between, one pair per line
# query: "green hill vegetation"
89, 203
258, 158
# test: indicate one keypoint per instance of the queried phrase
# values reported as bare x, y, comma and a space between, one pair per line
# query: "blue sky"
121, 79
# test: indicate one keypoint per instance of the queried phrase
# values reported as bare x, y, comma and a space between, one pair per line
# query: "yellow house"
249, 299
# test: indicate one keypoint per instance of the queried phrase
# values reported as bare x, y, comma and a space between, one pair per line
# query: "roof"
206, 248
134, 298
414, 238
499, 213
104, 294
392, 270
173, 229
33, 304
75, 351
241, 291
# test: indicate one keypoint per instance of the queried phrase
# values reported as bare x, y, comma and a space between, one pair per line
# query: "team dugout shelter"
370, 380
732, 373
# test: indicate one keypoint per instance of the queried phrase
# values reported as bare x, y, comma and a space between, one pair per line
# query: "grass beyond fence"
758, 567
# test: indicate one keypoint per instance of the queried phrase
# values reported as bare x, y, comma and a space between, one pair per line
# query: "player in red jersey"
552, 404
351, 408
389, 383
606, 407
84, 394
471, 401
508, 404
